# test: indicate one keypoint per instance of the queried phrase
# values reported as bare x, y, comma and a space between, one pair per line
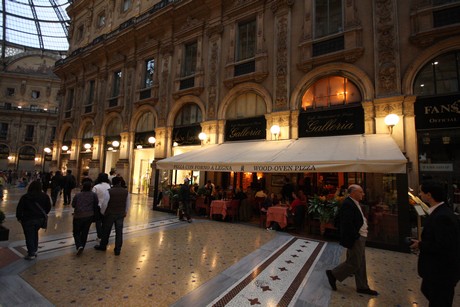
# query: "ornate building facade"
144, 78
30, 94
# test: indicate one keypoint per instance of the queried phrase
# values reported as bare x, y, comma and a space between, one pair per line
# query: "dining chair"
233, 209
200, 204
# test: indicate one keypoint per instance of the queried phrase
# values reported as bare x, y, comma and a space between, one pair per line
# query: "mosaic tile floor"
206, 263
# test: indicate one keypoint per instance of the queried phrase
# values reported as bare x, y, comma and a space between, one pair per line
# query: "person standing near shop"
439, 247
56, 183
287, 190
69, 184
30, 212
185, 209
353, 234
117, 209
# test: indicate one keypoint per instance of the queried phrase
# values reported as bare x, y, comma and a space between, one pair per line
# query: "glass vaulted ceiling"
38, 24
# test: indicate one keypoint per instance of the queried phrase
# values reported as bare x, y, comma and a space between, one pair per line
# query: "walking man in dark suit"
115, 213
353, 234
439, 257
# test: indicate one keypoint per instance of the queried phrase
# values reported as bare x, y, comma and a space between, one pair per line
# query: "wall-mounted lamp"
203, 137
391, 120
87, 146
275, 130
47, 150
36, 159
10, 158
153, 141
139, 146
65, 148
175, 144
110, 148
115, 144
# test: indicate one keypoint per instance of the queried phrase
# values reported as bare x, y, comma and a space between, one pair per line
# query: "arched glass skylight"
39, 24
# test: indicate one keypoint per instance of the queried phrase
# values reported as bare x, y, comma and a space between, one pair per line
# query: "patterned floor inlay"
276, 280
152, 270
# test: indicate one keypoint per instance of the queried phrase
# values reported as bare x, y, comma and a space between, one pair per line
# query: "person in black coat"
31, 217
56, 185
439, 257
353, 234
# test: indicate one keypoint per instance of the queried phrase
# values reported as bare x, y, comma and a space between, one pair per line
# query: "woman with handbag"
32, 212
85, 204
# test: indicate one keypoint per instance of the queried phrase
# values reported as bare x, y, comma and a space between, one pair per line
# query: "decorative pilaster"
387, 69
214, 34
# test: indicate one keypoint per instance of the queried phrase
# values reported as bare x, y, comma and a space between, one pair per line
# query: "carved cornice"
383, 107
194, 91
349, 56
428, 38
277, 4
255, 76
191, 25
117, 109
215, 30
239, 6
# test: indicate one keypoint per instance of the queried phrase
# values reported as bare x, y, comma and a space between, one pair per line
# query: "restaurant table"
219, 207
277, 214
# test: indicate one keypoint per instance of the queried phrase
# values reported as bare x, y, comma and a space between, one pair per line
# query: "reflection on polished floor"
165, 262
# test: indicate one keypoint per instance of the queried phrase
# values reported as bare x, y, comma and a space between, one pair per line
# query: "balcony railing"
8, 107
245, 68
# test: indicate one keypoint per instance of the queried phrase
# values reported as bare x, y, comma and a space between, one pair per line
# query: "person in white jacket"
101, 186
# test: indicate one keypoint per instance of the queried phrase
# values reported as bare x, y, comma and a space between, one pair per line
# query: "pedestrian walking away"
30, 212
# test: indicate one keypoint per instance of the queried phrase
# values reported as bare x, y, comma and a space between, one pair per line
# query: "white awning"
370, 153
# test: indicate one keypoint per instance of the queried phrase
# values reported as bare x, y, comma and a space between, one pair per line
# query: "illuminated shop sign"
187, 135
246, 129
436, 167
437, 112
344, 121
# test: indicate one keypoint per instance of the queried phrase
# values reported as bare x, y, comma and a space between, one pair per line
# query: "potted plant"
323, 209
4, 232
173, 196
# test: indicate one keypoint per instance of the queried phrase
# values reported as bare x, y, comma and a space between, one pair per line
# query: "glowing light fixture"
87, 146
115, 144
202, 136
65, 148
139, 146
47, 150
275, 130
152, 140
391, 120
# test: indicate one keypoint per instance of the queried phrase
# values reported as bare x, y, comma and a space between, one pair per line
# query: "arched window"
329, 92
114, 127
88, 133
189, 114
245, 106
146, 123
67, 136
27, 150
4, 150
440, 76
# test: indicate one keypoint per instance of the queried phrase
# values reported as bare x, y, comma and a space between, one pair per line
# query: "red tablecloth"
277, 214
220, 207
